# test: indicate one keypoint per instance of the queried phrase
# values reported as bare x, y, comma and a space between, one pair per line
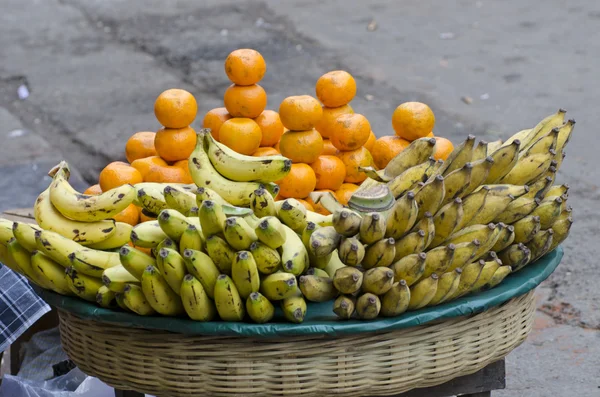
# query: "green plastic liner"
320, 319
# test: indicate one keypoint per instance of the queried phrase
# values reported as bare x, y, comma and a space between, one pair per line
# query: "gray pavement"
94, 68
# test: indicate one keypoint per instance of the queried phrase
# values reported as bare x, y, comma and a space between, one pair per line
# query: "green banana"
380, 254
313, 271
561, 229
150, 200
493, 206
121, 237
294, 309
318, 262
439, 260
460, 156
430, 195
134, 299
105, 297
372, 227
262, 203
191, 239
409, 178
294, 256
446, 220
173, 267
135, 261
548, 212
351, 251
368, 306
417, 152
267, 259
529, 169
212, 218
292, 213
479, 173
447, 286
423, 292
52, 274
179, 200
166, 243
344, 306
526, 228
324, 241
25, 235
540, 244
346, 222
487, 272
270, 232
378, 280
413, 242
83, 286
147, 234
317, 289
463, 254
468, 278
410, 268
279, 286
402, 216
244, 273
497, 278
205, 193
516, 255
506, 238
348, 280
228, 301
201, 266
456, 182
518, 209
472, 204
504, 160
116, 278
334, 264
259, 308
22, 258
395, 301
239, 234
220, 252
173, 223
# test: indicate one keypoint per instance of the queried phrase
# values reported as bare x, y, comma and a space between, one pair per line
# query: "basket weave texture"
176, 365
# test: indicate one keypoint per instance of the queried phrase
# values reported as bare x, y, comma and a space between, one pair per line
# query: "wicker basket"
174, 365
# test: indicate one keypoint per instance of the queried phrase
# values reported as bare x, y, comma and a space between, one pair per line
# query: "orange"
245, 101
328, 148
276, 146
350, 131
443, 148
301, 146
300, 113
130, 215
175, 108
214, 119
117, 174
336, 88
184, 165
353, 159
93, 190
147, 251
386, 148
430, 135
265, 151
245, 66
271, 127
146, 216
306, 205
344, 193
298, 183
144, 165
325, 125
175, 144
413, 120
370, 142
140, 145
318, 208
177, 173
330, 172
241, 134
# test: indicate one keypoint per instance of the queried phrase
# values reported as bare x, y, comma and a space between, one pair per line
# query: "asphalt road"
93, 69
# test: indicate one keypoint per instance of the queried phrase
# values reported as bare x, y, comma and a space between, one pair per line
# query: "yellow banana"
116, 278
518, 209
493, 206
504, 160
528, 169
413, 242
423, 292
506, 238
548, 212
446, 220
409, 178
472, 204
151, 200
479, 173
439, 260
172, 267
402, 216
430, 195
498, 277
343, 307
270, 231
456, 182
470, 275
540, 244
294, 256
85, 287
381, 253
395, 301
121, 237
262, 203
317, 289
93, 262
313, 271
543, 128
372, 227
259, 308
526, 228
278, 286
352, 251
543, 144
486, 245
348, 280
159, 295
51, 272
319, 219
267, 259
135, 261
516, 255
197, 304
428, 226
561, 228
506, 189
220, 252
368, 306
463, 254
460, 156
201, 266
22, 258
212, 218
238, 233
147, 234
292, 213
25, 235
334, 264
244, 273
416, 153
410, 268
324, 241
447, 285
227, 299
378, 280
294, 308
134, 299
191, 239
173, 223
179, 200
480, 151
346, 222
105, 298
474, 232
489, 268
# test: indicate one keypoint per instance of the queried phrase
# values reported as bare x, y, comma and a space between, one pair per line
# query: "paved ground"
94, 68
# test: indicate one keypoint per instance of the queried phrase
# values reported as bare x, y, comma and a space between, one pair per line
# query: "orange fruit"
300, 113
93, 190
318, 207
245, 66
370, 142
184, 165
140, 145
276, 146
147, 251
245, 101
328, 148
175, 144
330, 172
298, 183
144, 165
168, 174
214, 119
117, 174
271, 127
306, 205
430, 135
175, 108
353, 159
327, 121
413, 120
386, 148
130, 215
265, 151
145, 216
345, 191
241, 134
301, 146
336, 88
443, 148
350, 131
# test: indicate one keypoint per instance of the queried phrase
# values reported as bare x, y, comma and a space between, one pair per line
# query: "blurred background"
78, 77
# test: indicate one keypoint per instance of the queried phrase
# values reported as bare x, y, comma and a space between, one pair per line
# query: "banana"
279, 286
270, 232
529, 169
172, 267
539, 188
324, 241
413, 242
548, 212
372, 227
294, 256
402, 217
378, 280
159, 295
318, 262
134, 299
327, 200
292, 213
294, 309
259, 309
480, 151
460, 156
416, 153
463, 254
409, 178
554, 191
472, 204
197, 304
497, 278
506, 238
561, 229
201, 266
179, 200
25, 235
482, 233
93, 262
468, 278
334, 264
351, 251
374, 174
427, 225
395, 301
205, 193
317, 289
540, 244
150, 200
204, 174
212, 218
22, 258
52, 274
267, 259
564, 135
244, 273
220, 252
479, 174
423, 292
346, 222
380, 254
319, 219
105, 297
526, 228
410, 268
173, 223
344, 306
493, 146
543, 144
191, 239
49, 218
147, 234
135, 261
116, 278
504, 159
430, 195
121, 302
543, 128
82, 207
121, 237
368, 306
447, 285
313, 271
487, 272
238, 233
493, 206
83, 286
439, 260
446, 221
262, 203
166, 243
229, 304
516, 255
518, 209
487, 245
456, 182
505, 189
348, 280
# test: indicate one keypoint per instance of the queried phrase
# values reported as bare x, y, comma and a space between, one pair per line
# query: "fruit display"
237, 232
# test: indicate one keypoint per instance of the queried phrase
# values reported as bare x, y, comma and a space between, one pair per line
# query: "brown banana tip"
286, 206
375, 217
344, 214
149, 268
491, 226
127, 288
410, 195
260, 191
391, 241
471, 137
231, 221
71, 256
502, 224
555, 130
511, 228
302, 279
265, 224
421, 232
243, 255
561, 110
536, 218
254, 246
517, 142
489, 159
289, 265
315, 244
290, 282
550, 231
254, 296
191, 227
558, 200
451, 247
344, 305
434, 276
164, 215
432, 141
187, 253
458, 200
428, 214
510, 196
486, 187
481, 262
163, 253
458, 270
188, 277
422, 256
222, 277
168, 189
439, 178
371, 300
353, 247
208, 203
492, 254
498, 261
570, 219
402, 282
483, 142
476, 242
552, 152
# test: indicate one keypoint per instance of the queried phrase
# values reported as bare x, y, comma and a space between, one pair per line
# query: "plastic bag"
73, 384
